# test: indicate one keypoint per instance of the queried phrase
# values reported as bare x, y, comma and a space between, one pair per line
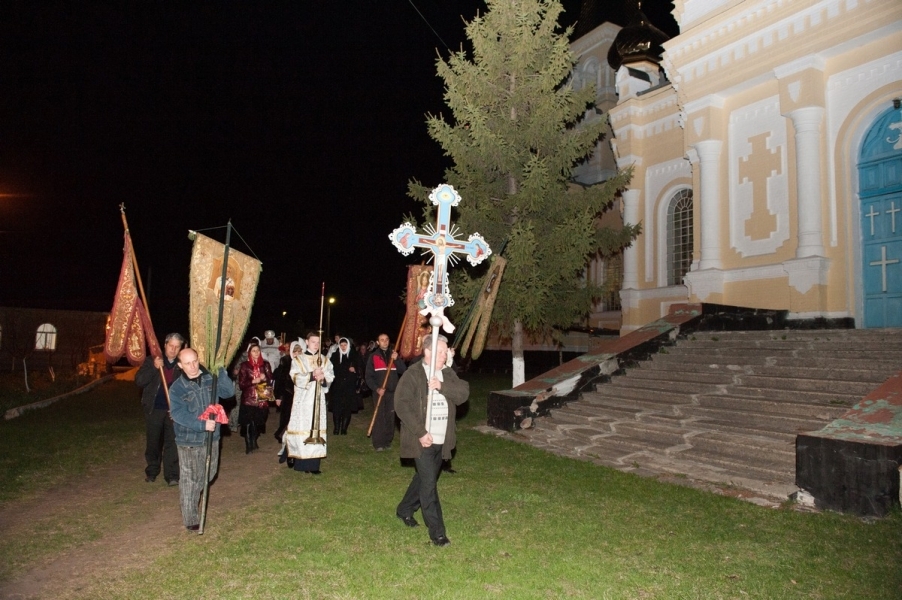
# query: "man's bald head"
188, 363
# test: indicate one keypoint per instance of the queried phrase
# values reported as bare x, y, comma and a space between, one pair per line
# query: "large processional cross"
441, 242
444, 247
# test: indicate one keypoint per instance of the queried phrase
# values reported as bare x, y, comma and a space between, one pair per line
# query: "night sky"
301, 121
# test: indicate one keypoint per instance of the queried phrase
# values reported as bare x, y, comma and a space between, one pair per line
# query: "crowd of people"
302, 381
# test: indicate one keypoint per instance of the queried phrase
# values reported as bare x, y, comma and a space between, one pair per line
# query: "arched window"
46, 337
679, 236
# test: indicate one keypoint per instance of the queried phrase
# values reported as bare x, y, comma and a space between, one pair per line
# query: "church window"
46, 337
613, 280
679, 236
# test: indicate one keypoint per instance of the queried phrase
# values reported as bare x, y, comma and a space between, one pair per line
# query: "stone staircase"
722, 409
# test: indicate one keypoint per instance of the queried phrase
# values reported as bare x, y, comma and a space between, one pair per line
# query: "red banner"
130, 327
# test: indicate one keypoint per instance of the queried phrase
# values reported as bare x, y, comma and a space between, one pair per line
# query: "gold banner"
242, 276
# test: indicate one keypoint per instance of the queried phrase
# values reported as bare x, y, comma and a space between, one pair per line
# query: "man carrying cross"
431, 441
428, 394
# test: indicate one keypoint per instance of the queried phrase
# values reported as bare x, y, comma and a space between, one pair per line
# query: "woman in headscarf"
343, 391
255, 381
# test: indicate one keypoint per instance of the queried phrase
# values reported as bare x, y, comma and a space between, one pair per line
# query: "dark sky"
301, 121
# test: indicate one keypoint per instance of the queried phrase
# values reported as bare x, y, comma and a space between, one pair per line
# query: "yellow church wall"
749, 40
762, 293
745, 75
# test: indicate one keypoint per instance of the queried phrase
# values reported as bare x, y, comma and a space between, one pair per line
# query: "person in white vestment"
310, 372
269, 347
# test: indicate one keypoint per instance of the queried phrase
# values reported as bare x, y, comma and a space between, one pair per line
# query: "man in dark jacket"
160, 449
428, 437
376, 367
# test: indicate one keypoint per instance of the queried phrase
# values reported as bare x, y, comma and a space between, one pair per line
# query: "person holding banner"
428, 443
190, 395
160, 448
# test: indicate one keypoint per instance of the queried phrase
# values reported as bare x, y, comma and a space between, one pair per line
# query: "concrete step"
783, 427
668, 378
850, 388
825, 398
710, 372
769, 471
728, 403
699, 361
654, 386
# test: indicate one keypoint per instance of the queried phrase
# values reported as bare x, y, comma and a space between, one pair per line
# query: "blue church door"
880, 177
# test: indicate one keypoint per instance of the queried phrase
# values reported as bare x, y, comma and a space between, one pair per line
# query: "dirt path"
136, 520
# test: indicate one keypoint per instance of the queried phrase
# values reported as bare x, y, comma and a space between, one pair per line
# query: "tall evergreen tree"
514, 139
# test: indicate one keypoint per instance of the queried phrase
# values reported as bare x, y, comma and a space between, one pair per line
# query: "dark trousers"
384, 425
422, 493
161, 448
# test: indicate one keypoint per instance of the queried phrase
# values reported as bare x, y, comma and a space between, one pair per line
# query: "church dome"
640, 40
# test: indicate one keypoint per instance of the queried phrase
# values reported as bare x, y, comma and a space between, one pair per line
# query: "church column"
631, 254
709, 192
807, 123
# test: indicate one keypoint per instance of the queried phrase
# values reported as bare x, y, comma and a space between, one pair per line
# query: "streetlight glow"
329, 319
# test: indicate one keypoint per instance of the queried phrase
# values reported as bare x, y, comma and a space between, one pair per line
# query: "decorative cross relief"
883, 263
441, 242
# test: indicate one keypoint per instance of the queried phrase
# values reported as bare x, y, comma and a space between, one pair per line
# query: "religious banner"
242, 275
416, 326
129, 328
477, 327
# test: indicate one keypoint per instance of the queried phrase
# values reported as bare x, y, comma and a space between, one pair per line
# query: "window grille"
679, 237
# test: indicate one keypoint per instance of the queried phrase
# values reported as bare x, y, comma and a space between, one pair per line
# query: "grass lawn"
523, 524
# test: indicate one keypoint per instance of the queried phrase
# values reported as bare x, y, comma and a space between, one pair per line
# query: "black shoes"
172, 482
317, 472
149, 479
442, 540
409, 521
193, 527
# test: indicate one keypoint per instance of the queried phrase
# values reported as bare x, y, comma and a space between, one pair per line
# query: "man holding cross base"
428, 443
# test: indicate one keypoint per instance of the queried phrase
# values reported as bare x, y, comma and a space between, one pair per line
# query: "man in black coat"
160, 449
377, 365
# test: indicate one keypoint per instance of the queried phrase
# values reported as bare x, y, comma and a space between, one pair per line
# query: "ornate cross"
444, 246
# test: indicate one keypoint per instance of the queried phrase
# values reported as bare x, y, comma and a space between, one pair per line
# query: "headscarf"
257, 365
299, 344
346, 353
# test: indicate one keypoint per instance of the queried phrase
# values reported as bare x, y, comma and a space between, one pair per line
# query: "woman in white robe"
310, 372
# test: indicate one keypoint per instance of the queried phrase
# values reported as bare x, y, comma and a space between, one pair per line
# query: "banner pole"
212, 361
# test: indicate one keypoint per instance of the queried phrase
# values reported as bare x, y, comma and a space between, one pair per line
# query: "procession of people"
307, 383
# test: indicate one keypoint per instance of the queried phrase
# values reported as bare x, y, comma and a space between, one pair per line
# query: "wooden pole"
131, 251
212, 361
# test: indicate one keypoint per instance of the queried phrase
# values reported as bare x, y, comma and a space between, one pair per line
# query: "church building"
765, 142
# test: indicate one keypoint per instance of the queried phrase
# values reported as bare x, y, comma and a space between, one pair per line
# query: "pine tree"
515, 136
